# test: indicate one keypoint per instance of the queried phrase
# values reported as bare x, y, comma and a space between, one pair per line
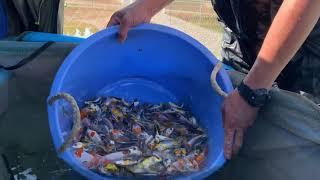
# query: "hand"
237, 116
128, 17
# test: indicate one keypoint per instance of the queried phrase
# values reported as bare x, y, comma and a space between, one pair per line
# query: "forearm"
290, 28
153, 6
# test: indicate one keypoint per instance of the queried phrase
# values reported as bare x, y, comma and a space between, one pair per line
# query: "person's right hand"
128, 17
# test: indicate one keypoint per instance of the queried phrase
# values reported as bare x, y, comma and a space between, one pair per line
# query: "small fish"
117, 114
108, 123
125, 103
196, 140
186, 122
126, 162
136, 129
109, 169
166, 145
119, 138
116, 156
174, 110
152, 143
78, 145
168, 132
167, 156
160, 138
172, 105
84, 113
193, 121
181, 130
116, 134
148, 165
95, 101
92, 109
94, 136
148, 138
135, 103
185, 164
155, 107
200, 158
121, 155
91, 161
180, 152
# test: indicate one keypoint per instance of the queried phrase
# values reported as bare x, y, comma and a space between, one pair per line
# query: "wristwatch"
254, 97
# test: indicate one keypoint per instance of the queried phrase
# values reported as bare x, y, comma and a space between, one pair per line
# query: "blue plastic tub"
155, 64
44, 37
3, 20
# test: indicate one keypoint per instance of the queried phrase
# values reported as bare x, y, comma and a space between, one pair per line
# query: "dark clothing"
246, 24
283, 143
34, 15
258, 15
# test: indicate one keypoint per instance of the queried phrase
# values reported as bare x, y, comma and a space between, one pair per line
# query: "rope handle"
213, 80
76, 119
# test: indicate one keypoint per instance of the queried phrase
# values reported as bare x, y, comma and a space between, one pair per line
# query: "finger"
228, 142
114, 20
238, 140
223, 111
228, 119
124, 28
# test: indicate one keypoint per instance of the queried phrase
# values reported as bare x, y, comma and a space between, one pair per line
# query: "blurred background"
194, 17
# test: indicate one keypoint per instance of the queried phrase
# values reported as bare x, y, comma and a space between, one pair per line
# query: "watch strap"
252, 97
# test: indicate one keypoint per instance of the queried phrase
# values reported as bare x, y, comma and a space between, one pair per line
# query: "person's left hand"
237, 116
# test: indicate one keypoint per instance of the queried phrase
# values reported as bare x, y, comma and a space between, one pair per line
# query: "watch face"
261, 96
261, 92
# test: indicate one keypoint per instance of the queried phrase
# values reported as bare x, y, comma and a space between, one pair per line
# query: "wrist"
254, 83
261, 75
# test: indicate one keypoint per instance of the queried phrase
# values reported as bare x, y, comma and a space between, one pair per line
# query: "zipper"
39, 13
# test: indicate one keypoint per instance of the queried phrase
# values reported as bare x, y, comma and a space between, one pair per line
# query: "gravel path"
209, 38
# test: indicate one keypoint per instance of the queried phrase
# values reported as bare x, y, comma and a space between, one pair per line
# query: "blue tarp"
45, 37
